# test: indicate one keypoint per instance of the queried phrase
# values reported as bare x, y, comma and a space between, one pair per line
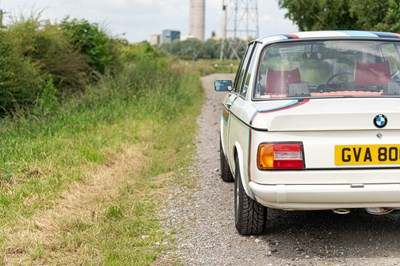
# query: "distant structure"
168, 36
197, 19
239, 20
155, 39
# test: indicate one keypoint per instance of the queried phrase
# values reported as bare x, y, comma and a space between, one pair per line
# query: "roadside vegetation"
95, 131
193, 49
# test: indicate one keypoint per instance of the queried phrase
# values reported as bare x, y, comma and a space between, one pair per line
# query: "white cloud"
113, 3
144, 2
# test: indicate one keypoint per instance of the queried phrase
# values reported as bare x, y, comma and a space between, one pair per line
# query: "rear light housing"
284, 156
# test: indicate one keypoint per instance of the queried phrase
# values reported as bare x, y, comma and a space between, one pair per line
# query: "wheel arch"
239, 155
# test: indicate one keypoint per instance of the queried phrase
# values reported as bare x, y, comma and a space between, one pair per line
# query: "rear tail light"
280, 156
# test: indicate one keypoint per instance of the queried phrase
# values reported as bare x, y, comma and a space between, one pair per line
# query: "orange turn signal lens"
280, 156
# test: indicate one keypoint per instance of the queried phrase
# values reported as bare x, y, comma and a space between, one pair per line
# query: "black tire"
226, 174
250, 216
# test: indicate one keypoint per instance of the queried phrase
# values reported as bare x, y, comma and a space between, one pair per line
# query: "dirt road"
206, 235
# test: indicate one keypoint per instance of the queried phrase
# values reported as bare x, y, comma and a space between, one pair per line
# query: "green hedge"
71, 55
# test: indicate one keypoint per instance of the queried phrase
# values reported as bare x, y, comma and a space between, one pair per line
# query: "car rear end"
334, 142
336, 158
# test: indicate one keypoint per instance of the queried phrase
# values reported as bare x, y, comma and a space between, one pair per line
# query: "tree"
374, 15
195, 49
381, 15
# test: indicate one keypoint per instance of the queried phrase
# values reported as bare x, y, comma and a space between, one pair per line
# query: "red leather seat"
278, 81
374, 74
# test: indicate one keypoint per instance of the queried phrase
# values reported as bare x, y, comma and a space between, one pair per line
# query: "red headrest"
278, 81
375, 74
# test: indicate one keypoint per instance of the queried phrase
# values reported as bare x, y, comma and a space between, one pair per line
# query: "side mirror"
223, 85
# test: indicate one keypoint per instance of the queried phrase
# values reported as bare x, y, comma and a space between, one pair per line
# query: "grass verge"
84, 185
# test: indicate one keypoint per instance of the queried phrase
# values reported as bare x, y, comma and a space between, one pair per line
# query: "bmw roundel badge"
380, 121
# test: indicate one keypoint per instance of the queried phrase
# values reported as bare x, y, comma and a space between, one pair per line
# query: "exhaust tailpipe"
341, 211
379, 210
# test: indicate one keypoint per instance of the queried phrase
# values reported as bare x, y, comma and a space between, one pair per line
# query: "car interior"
329, 68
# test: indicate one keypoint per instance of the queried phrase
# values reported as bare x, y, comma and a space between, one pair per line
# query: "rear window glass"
329, 69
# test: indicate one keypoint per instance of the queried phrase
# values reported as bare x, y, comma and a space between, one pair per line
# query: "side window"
390, 54
248, 75
239, 86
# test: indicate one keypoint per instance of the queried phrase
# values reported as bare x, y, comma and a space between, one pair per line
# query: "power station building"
168, 36
197, 19
197, 10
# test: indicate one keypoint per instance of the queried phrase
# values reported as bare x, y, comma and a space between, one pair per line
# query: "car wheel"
250, 216
226, 173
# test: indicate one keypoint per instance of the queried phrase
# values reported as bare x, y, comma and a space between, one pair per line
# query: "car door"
233, 103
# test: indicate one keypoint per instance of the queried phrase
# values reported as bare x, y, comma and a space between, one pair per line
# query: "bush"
193, 49
34, 51
45, 64
51, 52
47, 103
143, 66
140, 51
20, 79
93, 42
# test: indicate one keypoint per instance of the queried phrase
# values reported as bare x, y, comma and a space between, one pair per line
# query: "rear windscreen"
337, 68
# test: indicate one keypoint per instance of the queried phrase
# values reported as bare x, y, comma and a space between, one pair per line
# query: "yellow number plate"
367, 154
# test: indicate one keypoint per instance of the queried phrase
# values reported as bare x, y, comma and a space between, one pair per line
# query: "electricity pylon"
239, 21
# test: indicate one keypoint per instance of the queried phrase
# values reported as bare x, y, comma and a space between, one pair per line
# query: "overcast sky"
136, 20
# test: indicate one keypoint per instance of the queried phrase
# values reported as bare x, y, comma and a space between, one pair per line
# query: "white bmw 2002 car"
312, 122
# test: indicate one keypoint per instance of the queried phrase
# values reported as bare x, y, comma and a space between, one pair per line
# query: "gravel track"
204, 223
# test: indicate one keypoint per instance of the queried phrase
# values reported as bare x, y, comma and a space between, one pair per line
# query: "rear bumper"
321, 197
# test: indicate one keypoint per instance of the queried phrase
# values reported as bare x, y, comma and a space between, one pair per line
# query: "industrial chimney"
197, 21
